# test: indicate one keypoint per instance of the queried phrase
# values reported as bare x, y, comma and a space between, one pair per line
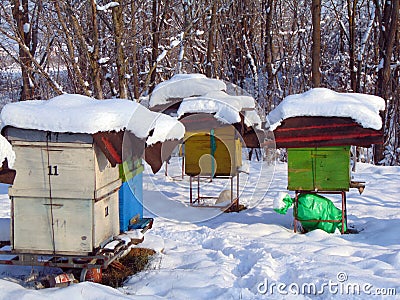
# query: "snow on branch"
107, 6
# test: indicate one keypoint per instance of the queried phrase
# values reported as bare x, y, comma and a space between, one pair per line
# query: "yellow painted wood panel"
238, 153
227, 153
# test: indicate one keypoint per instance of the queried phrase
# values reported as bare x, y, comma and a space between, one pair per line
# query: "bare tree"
28, 42
387, 13
316, 43
211, 40
351, 15
268, 49
118, 24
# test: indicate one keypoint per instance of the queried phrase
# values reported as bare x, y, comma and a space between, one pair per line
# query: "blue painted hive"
131, 196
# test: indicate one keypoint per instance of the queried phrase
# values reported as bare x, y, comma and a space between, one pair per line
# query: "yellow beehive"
217, 152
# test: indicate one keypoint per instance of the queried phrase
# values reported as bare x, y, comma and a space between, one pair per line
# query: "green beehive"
319, 169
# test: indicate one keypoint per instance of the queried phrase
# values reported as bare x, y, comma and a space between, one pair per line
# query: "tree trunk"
95, 55
77, 74
119, 50
21, 18
211, 42
135, 73
316, 44
389, 23
268, 51
155, 41
351, 14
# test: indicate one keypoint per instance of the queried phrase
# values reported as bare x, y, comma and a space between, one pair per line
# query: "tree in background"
316, 43
124, 48
387, 16
21, 29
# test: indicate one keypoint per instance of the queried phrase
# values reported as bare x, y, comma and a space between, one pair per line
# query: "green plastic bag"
313, 207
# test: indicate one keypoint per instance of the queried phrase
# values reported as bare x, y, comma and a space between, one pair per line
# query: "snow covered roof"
183, 86
80, 114
226, 108
6, 152
362, 108
251, 118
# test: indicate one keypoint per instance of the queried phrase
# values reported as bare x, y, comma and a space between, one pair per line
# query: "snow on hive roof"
80, 114
225, 107
182, 86
6, 152
362, 108
252, 118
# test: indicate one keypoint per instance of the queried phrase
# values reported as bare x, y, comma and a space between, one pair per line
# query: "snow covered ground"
254, 254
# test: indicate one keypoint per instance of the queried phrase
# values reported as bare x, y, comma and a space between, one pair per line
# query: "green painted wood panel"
332, 169
324, 168
300, 169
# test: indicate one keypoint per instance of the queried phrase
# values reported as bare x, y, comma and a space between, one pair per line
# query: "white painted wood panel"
105, 174
72, 169
32, 228
106, 219
80, 225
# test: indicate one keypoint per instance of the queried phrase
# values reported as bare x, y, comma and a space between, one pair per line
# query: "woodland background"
270, 48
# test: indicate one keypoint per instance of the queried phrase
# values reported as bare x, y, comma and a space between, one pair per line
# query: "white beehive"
65, 195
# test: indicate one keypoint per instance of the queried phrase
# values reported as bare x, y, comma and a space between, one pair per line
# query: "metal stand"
344, 208
199, 201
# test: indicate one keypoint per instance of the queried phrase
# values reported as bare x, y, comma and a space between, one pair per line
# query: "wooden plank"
72, 170
31, 144
300, 132
107, 189
106, 220
32, 135
323, 169
105, 173
80, 225
157, 153
238, 155
197, 144
110, 144
198, 152
200, 121
225, 156
227, 130
332, 169
300, 169
32, 228
7, 175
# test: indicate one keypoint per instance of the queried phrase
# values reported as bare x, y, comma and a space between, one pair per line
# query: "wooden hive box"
319, 168
216, 152
131, 194
65, 180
